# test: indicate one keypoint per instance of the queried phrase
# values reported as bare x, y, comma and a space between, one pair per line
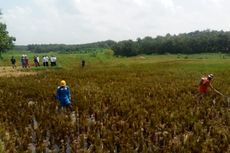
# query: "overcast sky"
84, 21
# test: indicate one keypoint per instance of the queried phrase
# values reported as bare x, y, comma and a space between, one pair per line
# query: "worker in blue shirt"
63, 95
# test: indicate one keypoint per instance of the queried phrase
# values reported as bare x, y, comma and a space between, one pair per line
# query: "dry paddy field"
7, 71
126, 105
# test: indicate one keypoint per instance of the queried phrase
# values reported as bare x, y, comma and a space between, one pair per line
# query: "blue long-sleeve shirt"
63, 95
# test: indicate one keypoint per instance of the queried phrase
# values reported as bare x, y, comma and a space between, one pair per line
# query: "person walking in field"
83, 63
13, 62
43, 61
205, 83
53, 60
23, 61
36, 61
63, 95
47, 60
27, 65
37, 57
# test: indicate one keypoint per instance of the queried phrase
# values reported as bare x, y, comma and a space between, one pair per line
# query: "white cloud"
168, 3
82, 21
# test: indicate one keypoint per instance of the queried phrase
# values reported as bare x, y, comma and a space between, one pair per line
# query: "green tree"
6, 41
126, 48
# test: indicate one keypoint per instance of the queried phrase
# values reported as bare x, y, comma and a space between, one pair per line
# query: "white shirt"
37, 58
44, 59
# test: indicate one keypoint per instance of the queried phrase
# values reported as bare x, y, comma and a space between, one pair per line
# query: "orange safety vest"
204, 85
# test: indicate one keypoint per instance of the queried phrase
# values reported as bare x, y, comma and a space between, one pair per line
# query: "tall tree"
6, 41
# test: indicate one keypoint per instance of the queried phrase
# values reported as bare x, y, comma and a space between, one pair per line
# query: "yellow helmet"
63, 83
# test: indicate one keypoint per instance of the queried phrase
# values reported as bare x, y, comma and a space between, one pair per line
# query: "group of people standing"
36, 60
45, 60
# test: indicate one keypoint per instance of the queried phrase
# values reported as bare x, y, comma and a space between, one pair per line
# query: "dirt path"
7, 71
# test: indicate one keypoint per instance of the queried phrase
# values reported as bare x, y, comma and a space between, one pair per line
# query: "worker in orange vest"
205, 83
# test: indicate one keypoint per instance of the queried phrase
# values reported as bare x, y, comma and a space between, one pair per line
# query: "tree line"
186, 43
206, 41
44, 48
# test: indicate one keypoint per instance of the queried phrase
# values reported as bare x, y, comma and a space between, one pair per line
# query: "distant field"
142, 104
